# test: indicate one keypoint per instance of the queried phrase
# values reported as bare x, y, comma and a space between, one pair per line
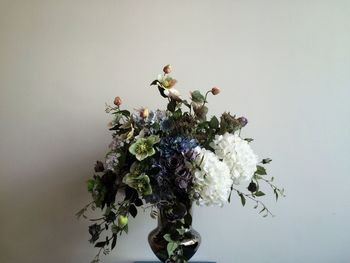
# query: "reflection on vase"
189, 242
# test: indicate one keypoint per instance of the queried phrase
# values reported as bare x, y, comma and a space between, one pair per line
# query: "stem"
258, 202
273, 186
205, 98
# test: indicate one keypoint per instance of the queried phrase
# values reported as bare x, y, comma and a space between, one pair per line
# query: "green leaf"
171, 106
126, 113
242, 199
197, 96
188, 219
90, 185
171, 247
229, 197
186, 104
161, 91
259, 193
167, 237
100, 244
115, 229
276, 194
260, 170
114, 241
214, 123
181, 231
133, 210
267, 160
249, 140
154, 82
138, 202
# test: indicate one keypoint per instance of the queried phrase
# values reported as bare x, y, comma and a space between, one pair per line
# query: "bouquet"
165, 160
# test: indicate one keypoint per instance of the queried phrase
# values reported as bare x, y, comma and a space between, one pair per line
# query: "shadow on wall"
40, 213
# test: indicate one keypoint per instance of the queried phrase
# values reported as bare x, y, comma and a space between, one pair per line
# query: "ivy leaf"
115, 229
138, 202
133, 210
259, 193
167, 237
171, 106
260, 170
100, 244
114, 241
171, 247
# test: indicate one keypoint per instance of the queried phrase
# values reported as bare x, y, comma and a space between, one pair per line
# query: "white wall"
283, 64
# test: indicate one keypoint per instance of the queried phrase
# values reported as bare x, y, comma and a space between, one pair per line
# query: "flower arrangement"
169, 159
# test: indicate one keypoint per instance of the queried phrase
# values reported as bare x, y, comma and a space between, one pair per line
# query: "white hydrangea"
237, 154
212, 180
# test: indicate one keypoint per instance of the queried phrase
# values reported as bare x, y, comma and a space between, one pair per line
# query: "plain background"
283, 64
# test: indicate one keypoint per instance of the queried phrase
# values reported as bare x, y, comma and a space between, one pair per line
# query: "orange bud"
167, 69
215, 90
118, 101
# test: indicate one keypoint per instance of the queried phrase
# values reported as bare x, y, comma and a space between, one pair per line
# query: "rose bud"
243, 121
144, 113
117, 101
215, 90
167, 69
252, 187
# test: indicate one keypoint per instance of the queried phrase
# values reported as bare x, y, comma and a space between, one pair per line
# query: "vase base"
189, 262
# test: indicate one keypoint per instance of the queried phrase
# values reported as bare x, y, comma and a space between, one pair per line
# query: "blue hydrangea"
170, 146
173, 177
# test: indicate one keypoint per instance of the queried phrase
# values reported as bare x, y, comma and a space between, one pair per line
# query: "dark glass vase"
189, 242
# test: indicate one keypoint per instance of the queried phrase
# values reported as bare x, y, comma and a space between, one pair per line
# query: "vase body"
189, 242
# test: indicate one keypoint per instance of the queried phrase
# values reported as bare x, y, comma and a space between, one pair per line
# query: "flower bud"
144, 113
215, 90
243, 121
118, 101
252, 187
167, 69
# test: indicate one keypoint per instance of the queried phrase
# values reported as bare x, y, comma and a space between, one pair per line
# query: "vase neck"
165, 222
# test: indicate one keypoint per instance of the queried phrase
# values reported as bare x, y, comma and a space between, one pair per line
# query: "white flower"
238, 156
212, 180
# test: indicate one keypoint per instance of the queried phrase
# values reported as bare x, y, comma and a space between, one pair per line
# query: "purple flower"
243, 121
